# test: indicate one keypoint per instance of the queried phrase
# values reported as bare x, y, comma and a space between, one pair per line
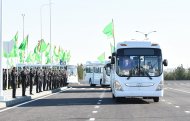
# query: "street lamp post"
50, 31
41, 35
23, 15
145, 34
1, 55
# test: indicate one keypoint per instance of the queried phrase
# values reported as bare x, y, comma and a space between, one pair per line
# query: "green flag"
108, 30
43, 46
68, 57
24, 43
37, 57
36, 49
21, 55
48, 60
6, 55
62, 55
29, 58
101, 58
55, 53
47, 52
15, 39
13, 52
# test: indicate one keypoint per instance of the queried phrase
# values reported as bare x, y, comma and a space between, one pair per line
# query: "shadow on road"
131, 101
82, 102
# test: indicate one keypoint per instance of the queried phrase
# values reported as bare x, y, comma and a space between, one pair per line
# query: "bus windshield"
72, 71
139, 62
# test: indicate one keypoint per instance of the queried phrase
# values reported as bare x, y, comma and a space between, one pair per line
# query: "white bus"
72, 74
94, 74
137, 70
106, 75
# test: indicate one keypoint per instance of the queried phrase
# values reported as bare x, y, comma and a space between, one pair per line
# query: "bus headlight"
160, 86
118, 86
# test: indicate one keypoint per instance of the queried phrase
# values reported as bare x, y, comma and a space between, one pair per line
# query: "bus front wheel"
156, 99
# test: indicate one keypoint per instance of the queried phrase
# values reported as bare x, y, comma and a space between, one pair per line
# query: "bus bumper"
138, 93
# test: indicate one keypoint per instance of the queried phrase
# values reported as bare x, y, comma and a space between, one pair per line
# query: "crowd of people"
44, 79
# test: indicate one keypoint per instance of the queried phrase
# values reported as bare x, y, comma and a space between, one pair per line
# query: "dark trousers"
14, 90
31, 86
44, 84
37, 85
23, 87
4, 84
40, 86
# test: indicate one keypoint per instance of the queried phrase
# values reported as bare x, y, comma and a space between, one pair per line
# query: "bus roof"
137, 44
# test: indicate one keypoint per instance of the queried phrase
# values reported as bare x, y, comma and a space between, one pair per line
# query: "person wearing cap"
31, 74
13, 81
23, 77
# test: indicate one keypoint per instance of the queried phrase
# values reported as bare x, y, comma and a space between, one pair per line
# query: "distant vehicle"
72, 74
94, 74
106, 75
137, 70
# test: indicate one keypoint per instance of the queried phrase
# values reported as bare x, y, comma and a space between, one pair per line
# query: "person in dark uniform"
31, 80
19, 79
23, 76
4, 79
45, 79
37, 80
40, 79
9, 79
13, 80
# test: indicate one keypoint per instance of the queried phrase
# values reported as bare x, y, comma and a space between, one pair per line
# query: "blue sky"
77, 25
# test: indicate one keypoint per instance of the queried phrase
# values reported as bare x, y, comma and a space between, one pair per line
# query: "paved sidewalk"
9, 101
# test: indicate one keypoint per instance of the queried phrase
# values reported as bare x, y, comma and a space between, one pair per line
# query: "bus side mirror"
165, 62
113, 60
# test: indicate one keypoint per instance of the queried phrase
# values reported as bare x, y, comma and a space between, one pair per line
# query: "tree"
80, 71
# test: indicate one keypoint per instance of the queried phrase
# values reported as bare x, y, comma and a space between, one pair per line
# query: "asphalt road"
83, 103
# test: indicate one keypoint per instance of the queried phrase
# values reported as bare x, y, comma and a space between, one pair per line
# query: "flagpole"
113, 35
50, 31
1, 55
23, 15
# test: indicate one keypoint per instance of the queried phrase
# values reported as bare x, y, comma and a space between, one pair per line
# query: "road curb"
21, 99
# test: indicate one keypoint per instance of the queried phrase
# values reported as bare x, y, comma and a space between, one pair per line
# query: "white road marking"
92, 119
100, 100
98, 103
169, 103
163, 100
178, 90
177, 106
96, 106
30, 101
94, 111
187, 111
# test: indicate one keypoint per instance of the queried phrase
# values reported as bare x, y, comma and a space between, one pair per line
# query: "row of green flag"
41, 48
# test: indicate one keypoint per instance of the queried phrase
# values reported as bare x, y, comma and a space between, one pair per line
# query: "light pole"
41, 18
145, 34
50, 29
23, 15
41, 35
1, 55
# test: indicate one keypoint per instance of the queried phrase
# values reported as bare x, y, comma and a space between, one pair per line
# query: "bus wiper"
146, 73
130, 74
